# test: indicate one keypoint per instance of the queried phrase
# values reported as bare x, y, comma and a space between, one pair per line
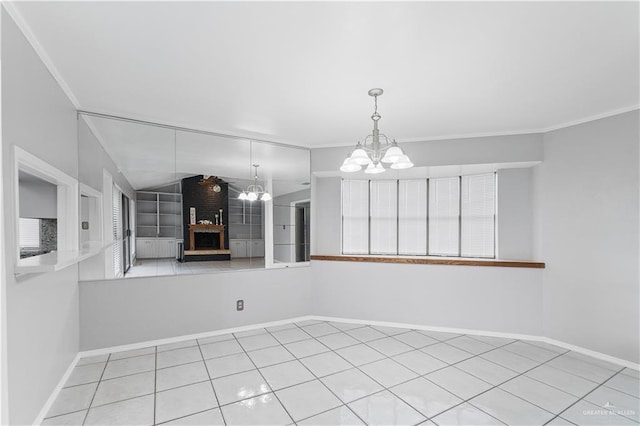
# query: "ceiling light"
402, 163
255, 191
371, 152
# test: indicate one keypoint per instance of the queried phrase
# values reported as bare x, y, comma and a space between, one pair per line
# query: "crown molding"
591, 118
17, 17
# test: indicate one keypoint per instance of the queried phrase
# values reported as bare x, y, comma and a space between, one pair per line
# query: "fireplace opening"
206, 240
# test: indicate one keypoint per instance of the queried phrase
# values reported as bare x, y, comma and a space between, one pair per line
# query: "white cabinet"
246, 248
238, 248
154, 248
255, 248
145, 248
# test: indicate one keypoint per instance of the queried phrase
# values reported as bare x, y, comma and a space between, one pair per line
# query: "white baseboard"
177, 339
47, 406
585, 351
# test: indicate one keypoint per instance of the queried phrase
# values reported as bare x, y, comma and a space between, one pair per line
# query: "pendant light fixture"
371, 153
255, 191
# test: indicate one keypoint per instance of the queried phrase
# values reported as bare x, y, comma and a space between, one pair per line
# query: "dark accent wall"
207, 203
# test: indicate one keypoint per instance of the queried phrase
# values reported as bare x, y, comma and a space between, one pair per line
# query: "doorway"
302, 215
126, 233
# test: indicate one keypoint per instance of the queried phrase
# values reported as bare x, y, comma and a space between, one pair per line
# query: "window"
29, 233
412, 217
478, 211
441, 217
383, 211
355, 217
444, 216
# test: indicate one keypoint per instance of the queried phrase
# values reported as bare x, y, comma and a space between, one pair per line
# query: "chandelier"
255, 191
372, 153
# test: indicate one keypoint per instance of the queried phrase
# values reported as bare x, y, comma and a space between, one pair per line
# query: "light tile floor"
324, 373
160, 267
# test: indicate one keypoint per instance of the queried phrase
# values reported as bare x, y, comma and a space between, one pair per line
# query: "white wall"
586, 230
134, 310
38, 199
470, 297
42, 310
514, 220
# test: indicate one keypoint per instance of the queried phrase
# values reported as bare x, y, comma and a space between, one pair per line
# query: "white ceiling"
298, 72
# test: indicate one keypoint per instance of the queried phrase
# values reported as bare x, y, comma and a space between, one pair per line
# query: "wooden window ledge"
424, 260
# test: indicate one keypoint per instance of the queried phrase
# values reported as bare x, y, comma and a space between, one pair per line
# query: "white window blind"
355, 216
442, 217
444, 212
478, 215
412, 217
117, 231
384, 217
29, 233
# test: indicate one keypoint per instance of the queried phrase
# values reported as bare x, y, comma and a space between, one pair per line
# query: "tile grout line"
215, 394
474, 355
316, 377
338, 330
84, 420
384, 388
261, 375
590, 392
492, 388
155, 383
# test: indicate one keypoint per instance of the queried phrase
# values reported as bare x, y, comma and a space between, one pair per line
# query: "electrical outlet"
239, 305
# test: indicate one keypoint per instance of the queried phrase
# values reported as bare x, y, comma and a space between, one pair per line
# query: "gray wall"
326, 215
586, 227
42, 309
471, 297
120, 312
515, 209
485, 150
435, 295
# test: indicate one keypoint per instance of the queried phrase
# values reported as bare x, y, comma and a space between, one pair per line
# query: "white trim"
4, 386
473, 332
585, 351
177, 339
590, 118
541, 130
47, 405
35, 44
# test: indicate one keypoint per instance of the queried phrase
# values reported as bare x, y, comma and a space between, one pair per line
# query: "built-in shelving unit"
158, 224
245, 223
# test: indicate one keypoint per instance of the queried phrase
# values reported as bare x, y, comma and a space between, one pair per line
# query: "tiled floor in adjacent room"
160, 267
330, 373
